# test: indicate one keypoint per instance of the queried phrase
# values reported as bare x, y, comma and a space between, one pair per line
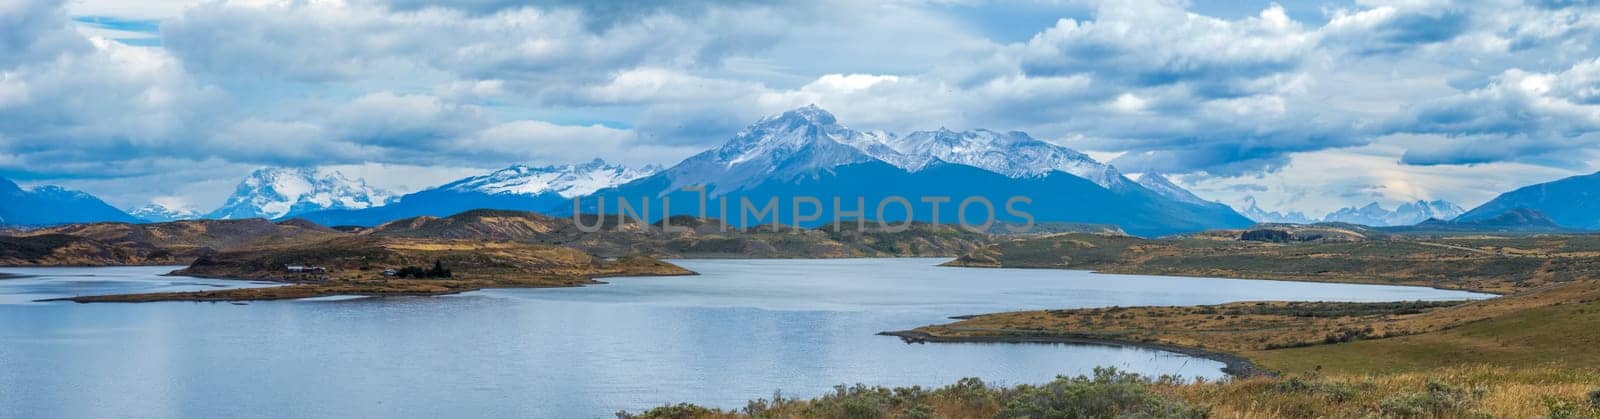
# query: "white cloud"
1472, 88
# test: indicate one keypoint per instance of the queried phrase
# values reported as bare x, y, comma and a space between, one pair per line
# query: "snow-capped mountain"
274, 193
1406, 214
51, 205
803, 140
156, 212
778, 147
805, 152
1254, 212
519, 187
566, 181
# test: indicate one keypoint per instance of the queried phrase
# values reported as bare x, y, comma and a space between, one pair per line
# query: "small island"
370, 266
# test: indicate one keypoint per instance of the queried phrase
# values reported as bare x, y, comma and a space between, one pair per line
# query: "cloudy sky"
1306, 105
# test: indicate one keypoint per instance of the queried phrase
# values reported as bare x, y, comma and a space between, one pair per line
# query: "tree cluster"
438, 271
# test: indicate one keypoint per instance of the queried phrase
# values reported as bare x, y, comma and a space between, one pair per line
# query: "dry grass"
1495, 391
1254, 328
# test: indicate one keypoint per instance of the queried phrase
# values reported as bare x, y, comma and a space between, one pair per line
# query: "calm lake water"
741, 330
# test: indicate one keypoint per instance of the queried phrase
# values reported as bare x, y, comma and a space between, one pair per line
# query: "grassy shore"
1528, 355
1493, 264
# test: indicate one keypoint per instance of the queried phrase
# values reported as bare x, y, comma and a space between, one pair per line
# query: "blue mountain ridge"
1055, 197
52, 205
1572, 202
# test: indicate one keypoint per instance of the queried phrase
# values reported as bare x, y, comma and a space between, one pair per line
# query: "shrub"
1562, 409
673, 411
1439, 400
1109, 393
919, 411
1594, 398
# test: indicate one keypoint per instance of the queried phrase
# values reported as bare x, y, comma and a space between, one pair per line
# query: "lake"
740, 330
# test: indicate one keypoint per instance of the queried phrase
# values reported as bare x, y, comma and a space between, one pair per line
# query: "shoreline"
1346, 281
1233, 365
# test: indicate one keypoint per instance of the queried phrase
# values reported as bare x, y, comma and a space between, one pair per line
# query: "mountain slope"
806, 153
519, 187
274, 193
1571, 202
51, 205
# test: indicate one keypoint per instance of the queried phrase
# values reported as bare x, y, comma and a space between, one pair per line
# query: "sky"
1305, 106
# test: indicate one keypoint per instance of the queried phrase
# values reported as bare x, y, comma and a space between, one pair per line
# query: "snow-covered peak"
565, 180
776, 147
279, 192
158, 212
807, 139
1255, 213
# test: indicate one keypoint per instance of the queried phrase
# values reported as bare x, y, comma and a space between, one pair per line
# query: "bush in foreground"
1465, 392
1107, 393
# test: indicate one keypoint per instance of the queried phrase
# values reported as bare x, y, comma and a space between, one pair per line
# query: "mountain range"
1372, 214
1408, 213
805, 152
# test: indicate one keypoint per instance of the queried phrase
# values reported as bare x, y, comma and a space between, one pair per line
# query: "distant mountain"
157, 213
519, 187
1254, 212
1515, 219
806, 153
274, 193
52, 205
1571, 202
1406, 214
